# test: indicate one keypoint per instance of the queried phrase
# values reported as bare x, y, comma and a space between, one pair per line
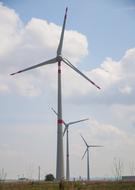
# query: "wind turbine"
67, 142
87, 151
58, 59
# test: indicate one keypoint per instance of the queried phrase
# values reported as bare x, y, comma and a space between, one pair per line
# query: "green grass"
97, 185
29, 186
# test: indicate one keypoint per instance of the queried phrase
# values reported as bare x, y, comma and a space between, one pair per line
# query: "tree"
117, 168
132, 168
49, 177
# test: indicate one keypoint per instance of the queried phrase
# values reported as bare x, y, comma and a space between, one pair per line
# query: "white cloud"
9, 28
126, 90
116, 79
108, 134
3, 88
38, 40
25, 45
125, 113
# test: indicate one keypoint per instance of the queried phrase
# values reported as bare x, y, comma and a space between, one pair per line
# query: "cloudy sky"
99, 40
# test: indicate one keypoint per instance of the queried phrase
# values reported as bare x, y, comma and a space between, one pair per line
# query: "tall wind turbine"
87, 151
67, 142
58, 59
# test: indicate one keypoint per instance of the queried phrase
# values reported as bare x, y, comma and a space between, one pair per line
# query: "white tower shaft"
60, 160
67, 160
88, 166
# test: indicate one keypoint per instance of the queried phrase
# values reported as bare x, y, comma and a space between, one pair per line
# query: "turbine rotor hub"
59, 58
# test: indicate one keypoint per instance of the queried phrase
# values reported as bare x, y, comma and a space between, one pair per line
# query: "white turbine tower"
87, 151
58, 59
67, 142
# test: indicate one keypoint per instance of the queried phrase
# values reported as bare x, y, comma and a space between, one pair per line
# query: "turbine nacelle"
59, 58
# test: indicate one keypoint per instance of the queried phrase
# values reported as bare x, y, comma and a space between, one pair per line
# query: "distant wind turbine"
58, 59
87, 151
67, 142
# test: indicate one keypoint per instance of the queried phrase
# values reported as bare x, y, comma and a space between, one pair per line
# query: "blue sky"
100, 41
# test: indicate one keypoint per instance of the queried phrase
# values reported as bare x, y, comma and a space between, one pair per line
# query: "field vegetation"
92, 185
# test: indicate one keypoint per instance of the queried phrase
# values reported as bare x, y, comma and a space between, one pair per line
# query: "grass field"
69, 186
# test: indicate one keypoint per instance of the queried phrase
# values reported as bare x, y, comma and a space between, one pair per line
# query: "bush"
49, 177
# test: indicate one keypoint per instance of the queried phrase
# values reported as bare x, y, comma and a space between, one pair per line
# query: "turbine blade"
59, 50
84, 140
54, 111
66, 127
84, 153
57, 115
79, 72
78, 121
95, 146
35, 66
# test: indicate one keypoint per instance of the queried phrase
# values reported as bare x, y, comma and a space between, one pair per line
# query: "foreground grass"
29, 186
69, 186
